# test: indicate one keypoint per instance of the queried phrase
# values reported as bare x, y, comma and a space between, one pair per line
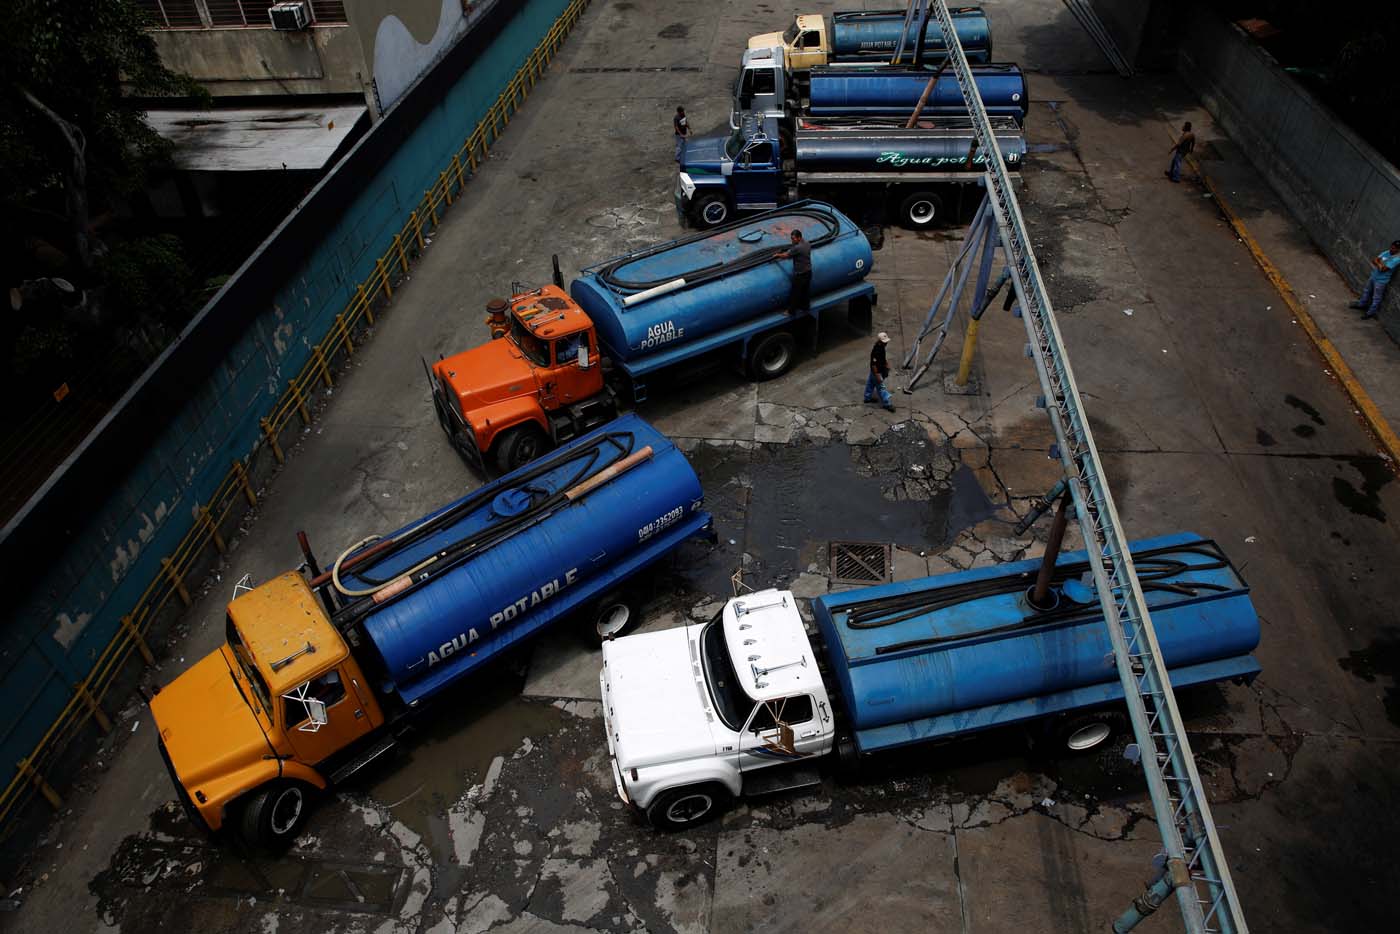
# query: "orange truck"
721, 295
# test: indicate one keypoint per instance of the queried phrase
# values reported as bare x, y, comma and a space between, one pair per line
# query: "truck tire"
920, 210
611, 616
687, 806
273, 816
710, 210
520, 445
1078, 734
772, 355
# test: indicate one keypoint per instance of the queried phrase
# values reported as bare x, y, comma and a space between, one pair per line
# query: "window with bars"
196, 14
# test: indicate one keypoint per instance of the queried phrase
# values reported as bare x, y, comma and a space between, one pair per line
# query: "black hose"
876, 613
455, 553
607, 274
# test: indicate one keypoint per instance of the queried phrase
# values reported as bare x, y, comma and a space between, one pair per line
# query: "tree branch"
76, 179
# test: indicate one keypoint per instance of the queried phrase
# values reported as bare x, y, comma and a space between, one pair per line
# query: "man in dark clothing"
682, 127
879, 372
1180, 149
801, 255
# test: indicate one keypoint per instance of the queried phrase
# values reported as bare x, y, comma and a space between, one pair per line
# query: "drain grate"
859, 563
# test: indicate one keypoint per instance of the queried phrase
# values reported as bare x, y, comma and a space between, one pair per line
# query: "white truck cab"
693, 713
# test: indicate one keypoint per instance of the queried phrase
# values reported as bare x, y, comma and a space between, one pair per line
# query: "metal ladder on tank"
1194, 866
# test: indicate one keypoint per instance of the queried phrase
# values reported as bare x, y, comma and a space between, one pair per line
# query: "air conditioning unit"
291, 16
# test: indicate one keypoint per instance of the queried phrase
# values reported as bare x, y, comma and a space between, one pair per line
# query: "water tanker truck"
872, 167
715, 296
746, 703
765, 87
320, 673
871, 35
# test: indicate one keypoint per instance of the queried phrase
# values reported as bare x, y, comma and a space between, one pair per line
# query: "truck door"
784, 730
808, 50
572, 380
323, 716
757, 176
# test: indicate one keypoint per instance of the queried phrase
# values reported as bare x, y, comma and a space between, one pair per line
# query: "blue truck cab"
722, 173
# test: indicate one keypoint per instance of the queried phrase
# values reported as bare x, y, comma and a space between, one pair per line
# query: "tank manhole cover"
859, 563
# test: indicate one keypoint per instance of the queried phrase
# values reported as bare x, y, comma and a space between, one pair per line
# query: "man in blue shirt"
1380, 278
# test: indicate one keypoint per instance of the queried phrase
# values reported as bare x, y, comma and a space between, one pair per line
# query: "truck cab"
803, 44
539, 385
738, 171
761, 86
254, 729
695, 714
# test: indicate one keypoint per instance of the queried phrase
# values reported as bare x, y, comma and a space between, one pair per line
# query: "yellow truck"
870, 37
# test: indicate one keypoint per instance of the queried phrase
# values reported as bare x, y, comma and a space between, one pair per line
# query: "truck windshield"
730, 700
790, 33
246, 666
529, 344
735, 144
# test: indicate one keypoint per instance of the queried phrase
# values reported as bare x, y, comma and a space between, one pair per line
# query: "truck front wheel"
683, 808
920, 209
1086, 732
772, 355
710, 210
273, 817
518, 446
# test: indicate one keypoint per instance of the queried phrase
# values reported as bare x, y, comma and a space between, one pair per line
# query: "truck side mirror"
583, 361
746, 100
316, 710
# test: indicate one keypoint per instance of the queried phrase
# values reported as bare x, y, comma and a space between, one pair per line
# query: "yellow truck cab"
804, 43
539, 385
252, 731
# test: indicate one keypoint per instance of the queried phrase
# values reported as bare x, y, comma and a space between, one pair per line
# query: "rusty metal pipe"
607, 473
1052, 553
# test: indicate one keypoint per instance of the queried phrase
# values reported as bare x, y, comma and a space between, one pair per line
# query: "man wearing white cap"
879, 372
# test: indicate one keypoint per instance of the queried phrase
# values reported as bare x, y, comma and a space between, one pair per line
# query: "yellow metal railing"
170, 582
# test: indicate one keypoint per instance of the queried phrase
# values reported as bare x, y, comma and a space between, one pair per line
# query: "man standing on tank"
799, 299
879, 372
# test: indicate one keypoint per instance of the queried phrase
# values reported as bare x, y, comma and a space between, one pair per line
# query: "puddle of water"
1380, 659
1305, 408
1365, 501
452, 750
805, 495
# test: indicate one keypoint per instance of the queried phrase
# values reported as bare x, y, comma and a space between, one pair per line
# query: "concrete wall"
1140, 29
81, 552
1346, 195
238, 62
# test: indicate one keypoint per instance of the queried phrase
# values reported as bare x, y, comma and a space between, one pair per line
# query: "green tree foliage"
71, 144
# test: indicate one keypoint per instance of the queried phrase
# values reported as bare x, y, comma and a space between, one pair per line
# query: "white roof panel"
255, 140
768, 645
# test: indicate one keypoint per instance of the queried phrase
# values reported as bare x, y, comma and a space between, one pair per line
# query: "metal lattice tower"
1195, 866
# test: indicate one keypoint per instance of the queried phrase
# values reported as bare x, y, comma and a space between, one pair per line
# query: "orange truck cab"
541, 384
274, 715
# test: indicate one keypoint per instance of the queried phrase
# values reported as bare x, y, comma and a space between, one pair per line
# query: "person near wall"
1180, 150
1382, 268
682, 127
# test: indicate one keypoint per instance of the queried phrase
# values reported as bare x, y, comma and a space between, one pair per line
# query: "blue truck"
321, 672
717, 297
746, 703
873, 168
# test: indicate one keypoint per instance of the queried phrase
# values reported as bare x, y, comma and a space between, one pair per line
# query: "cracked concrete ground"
1211, 412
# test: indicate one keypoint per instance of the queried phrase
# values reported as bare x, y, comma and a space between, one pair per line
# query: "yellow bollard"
44, 787
134, 635
242, 474
969, 348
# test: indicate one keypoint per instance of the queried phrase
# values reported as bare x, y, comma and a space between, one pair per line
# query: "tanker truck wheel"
518, 446
683, 808
273, 817
920, 209
610, 617
711, 210
1083, 733
772, 355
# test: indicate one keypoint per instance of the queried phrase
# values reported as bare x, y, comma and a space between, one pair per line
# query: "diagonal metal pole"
1195, 867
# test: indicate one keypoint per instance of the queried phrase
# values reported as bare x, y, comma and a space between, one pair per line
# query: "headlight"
687, 185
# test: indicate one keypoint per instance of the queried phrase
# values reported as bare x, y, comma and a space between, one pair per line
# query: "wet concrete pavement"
1212, 415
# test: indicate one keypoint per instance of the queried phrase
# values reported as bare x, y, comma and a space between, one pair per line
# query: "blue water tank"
860, 35
550, 563
876, 90
988, 647
731, 277
835, 145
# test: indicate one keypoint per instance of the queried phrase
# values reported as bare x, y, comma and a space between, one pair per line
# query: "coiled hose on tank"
454, 553
1152, 571
608, 273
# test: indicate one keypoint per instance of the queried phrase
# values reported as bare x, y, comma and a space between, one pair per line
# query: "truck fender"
222, 794
490, 420
657, 779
